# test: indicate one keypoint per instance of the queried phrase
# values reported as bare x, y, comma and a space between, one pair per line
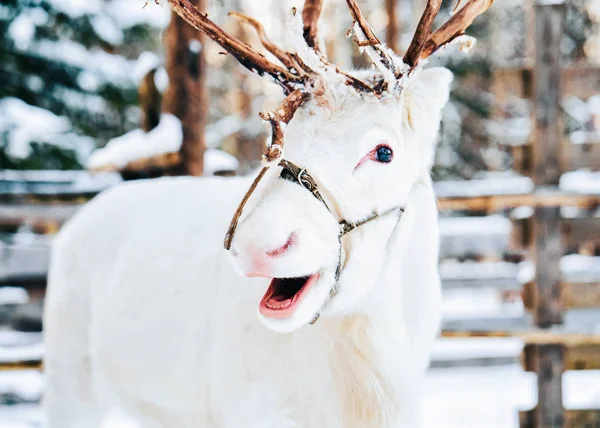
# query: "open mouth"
284, 295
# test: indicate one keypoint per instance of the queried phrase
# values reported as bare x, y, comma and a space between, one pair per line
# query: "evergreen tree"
77, 62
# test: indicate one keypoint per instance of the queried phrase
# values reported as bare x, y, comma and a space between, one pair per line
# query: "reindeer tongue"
282, 291
284, 294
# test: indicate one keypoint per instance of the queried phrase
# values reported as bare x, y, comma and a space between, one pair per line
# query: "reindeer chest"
364, 388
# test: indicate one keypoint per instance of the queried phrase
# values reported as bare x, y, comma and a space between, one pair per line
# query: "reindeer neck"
414, 243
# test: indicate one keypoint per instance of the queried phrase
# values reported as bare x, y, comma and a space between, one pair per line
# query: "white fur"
145, 313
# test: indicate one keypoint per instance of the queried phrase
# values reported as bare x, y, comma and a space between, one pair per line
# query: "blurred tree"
186, 96
76, 60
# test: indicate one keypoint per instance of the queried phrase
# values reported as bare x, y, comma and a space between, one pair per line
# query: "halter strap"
295, 174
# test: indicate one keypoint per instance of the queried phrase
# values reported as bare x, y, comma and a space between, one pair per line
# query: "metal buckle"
305, 180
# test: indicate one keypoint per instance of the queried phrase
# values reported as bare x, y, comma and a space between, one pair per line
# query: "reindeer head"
355, 145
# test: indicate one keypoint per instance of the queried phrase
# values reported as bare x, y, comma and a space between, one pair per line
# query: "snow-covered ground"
470, 397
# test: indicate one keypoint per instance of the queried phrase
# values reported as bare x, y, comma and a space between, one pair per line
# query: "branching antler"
455, 26
422, 33
299, 80
280, 117
424, 42
367, 38
310, 17
277, 118
286, 58
245, 54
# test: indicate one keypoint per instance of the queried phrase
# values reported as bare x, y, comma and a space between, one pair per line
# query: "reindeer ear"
424, 97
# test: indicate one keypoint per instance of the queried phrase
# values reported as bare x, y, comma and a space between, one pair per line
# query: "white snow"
576, 108
574, 268
115, 69
580, 181
580, 268
126, 13
12, 295
146, 62
26, 384
460, 226
25, 124
165, 138
129, 13
80, 180
472, 303
453, 270
512, 132
216, 132
107, 29
218, 160
474, 235
487, 186
594, 101
20, 346
521, 213
466, 397
22, 31
473, 348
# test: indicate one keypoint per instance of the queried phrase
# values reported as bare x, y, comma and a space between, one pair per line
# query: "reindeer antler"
413, 53
424, 42
298, 79
455, 26
245, 54
310, 17
282, 115
367, 38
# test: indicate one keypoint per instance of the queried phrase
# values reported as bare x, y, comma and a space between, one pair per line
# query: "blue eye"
384, 154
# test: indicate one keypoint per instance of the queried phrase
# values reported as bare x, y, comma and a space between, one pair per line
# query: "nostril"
289, 243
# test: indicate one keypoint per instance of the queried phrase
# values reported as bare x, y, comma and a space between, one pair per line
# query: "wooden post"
550, 411
548, 359
548, 252
549, 17
393, 26
186, 96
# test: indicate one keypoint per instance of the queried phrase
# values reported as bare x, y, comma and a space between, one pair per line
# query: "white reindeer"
145, 314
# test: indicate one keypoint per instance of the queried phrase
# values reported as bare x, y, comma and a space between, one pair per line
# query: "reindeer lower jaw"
284, 295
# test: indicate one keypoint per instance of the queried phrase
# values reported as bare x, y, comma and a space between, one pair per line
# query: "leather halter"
295, 174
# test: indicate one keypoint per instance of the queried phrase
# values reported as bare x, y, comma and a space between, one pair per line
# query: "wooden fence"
544, 237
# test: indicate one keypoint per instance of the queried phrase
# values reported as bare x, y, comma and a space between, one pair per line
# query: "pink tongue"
279, 301
279, 298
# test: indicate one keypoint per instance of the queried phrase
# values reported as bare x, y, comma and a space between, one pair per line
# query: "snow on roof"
580, 181
24, 124
165, 138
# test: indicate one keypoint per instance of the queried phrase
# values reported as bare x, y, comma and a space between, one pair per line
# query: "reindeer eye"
384, 154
